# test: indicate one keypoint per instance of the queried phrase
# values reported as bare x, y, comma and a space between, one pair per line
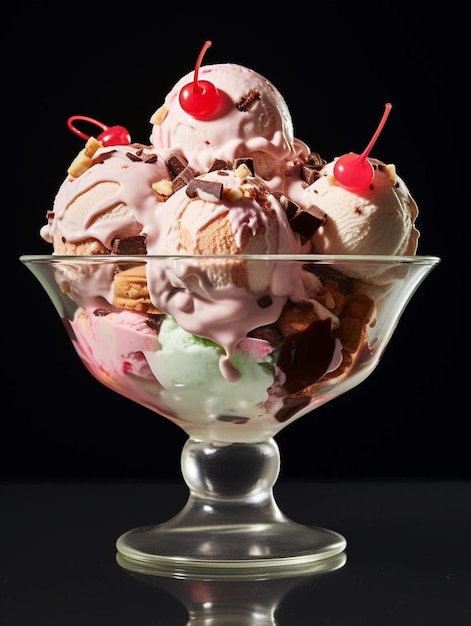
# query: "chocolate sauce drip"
306, 355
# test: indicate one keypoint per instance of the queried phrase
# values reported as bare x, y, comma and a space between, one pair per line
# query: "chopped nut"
159, 116
248, 191
79, 165
248, 161
234, 194
92, 146
163, 189
83, 160
242, 171
390, 171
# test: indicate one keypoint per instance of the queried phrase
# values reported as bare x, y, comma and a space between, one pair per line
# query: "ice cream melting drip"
111, 135
200, 98
354, 171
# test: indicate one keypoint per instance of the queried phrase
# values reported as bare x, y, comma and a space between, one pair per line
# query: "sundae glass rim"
311, 258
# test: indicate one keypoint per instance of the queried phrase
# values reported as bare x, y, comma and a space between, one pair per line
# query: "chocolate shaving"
150, 158
183, 178
132, 156
140, 156
205, 189
246, 102
130, 245
248, 161
219, 164
176, 164
289, 207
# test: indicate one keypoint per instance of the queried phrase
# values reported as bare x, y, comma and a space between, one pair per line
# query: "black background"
336, 68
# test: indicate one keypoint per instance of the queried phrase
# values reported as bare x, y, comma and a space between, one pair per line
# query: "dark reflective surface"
408, 559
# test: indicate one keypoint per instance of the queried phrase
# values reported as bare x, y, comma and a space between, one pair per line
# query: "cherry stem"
84, 118
207, 45
366, 151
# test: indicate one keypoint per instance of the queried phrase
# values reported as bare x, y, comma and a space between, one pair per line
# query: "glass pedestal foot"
231, 524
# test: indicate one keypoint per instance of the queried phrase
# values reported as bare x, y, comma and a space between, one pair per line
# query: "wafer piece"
131, 292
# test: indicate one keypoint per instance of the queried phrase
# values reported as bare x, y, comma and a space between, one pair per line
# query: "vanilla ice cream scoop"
376, 220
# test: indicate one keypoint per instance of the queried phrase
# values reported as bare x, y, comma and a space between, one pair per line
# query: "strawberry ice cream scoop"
115, 340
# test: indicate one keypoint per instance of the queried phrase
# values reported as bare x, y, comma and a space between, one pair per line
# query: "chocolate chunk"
101, 312
248, 161
308, 173
175, 164
130, 245
155, 321
269, 332
183, 178
318, 213
265, 301
246, 102
289, 207
219, 164
329, 275
311, 167
305, 223
235, 419
205, 189
315, 160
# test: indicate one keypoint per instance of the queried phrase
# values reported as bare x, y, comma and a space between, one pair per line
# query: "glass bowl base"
230, 550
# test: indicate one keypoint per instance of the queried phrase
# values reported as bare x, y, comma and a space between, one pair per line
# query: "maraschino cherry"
200, 98
111, 135
354, 171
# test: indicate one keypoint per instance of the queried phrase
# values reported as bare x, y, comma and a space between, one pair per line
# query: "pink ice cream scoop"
251, 118
224, 212
105, 199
